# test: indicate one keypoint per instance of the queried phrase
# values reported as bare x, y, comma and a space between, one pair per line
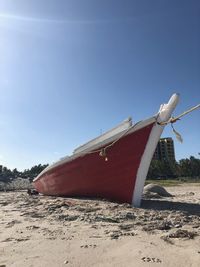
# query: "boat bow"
163, 115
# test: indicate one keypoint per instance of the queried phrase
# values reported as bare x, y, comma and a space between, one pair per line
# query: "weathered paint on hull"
91, 176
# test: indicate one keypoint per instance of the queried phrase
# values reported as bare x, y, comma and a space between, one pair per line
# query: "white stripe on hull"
163, 115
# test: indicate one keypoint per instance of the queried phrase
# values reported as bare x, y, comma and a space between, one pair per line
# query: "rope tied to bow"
175, 119
102, 153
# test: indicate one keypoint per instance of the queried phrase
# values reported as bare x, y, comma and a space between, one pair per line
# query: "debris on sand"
180, 233
90, 227
101, 213
149, 259
32, 192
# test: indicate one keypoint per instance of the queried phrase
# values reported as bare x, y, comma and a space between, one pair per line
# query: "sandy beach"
53, 231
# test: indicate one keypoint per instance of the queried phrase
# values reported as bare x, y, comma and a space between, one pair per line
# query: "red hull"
91, 176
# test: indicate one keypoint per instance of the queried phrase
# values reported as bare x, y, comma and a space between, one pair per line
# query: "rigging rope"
175, 119
102, 151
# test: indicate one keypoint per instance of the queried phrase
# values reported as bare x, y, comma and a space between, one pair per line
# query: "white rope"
174, 119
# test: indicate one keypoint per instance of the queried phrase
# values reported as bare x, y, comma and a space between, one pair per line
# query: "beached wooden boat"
112, 166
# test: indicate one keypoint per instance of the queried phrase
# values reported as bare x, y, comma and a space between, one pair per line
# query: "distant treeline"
7, 175
189, 167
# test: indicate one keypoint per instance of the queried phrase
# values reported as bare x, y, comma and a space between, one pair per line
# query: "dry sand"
48, 231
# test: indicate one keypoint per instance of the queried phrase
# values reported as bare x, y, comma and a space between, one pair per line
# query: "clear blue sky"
70, 69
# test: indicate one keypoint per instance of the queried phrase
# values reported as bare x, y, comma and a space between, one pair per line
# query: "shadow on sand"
189, 208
